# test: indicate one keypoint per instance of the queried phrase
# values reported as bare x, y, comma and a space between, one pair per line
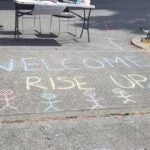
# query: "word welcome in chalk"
40, 64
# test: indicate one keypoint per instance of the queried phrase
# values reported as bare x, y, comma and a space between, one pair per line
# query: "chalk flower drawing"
50, 101
123, 94
6, 96
92, 98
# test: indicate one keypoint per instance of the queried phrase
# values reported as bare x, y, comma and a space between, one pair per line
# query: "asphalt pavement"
59, 92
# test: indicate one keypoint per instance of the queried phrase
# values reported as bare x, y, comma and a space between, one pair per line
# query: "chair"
64, 15
34, 17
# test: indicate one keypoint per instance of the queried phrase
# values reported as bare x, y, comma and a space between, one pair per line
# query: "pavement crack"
65, 118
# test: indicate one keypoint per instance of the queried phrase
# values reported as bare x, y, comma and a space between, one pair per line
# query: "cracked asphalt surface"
61, 92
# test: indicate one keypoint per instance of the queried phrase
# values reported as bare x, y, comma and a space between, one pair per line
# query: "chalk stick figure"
6, 96
123, 94
50, 101
92, 98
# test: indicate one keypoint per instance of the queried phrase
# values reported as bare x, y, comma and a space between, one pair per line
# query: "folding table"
26, 7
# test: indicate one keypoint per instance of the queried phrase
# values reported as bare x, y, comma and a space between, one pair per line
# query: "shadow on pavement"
41, 35
28, 42
3, 32
7, 5
126, 15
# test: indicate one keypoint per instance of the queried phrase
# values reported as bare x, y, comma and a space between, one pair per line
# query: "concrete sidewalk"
61, 92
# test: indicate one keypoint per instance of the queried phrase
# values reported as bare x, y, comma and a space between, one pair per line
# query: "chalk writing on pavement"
92, 98
50, 100
6, 96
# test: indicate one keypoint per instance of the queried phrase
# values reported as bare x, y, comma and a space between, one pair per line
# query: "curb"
138, 43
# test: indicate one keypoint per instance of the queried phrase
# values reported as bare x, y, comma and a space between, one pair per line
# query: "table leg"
16, 34
15, 24
83, 26
86, 23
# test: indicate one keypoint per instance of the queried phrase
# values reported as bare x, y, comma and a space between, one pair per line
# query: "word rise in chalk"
58, 83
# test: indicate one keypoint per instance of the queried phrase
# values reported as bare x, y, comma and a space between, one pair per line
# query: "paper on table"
48, 8
87, 2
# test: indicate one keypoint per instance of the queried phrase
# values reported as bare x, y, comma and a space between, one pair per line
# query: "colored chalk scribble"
6, 96
50, 100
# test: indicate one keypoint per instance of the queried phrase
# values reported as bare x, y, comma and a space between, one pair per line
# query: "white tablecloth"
81, 5
48, 8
